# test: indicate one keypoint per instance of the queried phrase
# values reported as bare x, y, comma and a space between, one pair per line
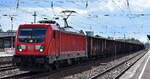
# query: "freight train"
45, 45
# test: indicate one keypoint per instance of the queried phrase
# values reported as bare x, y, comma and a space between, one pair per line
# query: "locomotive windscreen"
32, 35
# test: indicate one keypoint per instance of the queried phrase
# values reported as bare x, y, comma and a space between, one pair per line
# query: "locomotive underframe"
26, 62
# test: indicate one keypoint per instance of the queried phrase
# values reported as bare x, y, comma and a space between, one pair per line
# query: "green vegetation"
1, 30
110, 38
11, 30
131, 40
98, 36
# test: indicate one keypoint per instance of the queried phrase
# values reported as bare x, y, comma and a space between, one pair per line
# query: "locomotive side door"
57, 43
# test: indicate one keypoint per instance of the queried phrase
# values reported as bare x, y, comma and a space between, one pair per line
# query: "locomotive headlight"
21, 47
40, 48
20, 50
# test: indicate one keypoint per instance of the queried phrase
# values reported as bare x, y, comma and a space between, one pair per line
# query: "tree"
111, 38
11, 31
97, 36
1, 30
131, 40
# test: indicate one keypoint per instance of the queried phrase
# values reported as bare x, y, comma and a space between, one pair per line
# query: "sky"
114, 18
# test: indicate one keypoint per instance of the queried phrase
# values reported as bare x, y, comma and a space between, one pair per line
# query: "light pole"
11, 30
34, 16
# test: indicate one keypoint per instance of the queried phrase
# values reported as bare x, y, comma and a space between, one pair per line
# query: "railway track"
70, 71
108, 74
5, 61
20, 75
5, 68
6, 58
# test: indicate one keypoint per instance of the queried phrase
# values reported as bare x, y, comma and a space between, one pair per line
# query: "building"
7, 39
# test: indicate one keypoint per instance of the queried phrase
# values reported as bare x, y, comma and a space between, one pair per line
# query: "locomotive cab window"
32, 35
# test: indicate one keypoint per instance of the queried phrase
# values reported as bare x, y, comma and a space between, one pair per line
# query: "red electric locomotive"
46, 44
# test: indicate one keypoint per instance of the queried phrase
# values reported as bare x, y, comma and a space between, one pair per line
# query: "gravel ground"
5, 59
11, 73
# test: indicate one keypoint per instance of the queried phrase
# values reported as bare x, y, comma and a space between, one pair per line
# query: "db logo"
31, 48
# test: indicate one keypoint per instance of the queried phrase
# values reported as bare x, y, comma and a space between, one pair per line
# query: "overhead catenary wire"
130, 14
118, 7
124, 12
23, 10
52, 6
